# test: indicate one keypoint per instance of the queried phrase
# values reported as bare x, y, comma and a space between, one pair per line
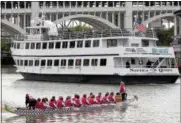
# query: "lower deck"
106, 79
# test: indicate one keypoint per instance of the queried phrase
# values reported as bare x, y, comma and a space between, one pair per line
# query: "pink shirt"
110, 98
84, 101
98, 99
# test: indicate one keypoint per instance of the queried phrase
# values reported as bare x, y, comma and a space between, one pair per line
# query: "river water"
158, 103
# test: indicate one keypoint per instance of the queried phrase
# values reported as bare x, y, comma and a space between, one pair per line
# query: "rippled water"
158, 103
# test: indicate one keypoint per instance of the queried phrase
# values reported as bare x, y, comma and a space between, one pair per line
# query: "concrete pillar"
107, 16
24, 21
175, 25
4, 5
143, 16
113, 18
34, 10
24, 4
179, 25
128, 20
12, 5
119, 19
18, 19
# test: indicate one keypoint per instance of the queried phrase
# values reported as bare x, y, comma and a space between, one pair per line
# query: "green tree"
80, 28
165, 36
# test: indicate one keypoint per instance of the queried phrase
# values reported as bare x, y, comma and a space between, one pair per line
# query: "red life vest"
41, 105
110, 98
104, 99
98, 99
84, 101
91, 101
52, 104
60, 104
77, 102
68, 103
122, 89
37, 105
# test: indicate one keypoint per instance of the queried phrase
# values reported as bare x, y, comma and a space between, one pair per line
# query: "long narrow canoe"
24, 111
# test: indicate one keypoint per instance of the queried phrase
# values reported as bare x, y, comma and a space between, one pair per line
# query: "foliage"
165, 36
80, 28
5, 46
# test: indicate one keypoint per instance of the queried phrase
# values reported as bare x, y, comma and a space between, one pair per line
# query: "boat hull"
106, 79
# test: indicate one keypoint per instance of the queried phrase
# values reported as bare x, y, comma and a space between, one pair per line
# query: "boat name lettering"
138, 70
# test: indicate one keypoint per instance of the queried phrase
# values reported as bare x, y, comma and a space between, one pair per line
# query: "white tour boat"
93, 56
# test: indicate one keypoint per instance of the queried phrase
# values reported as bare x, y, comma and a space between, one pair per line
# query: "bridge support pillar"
179, 25
34, 10
128, 19
175, 25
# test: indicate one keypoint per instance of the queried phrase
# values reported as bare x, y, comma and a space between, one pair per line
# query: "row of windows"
58, 45
62, 62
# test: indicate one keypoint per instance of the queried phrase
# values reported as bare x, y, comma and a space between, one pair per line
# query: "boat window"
44, 45
70, 62
49, 62
79, 44
51, 45
65, 44
27, 46
56, 62
43, 62
145, 43
18, 62
135, 45
88, 43
111, 43
78, 62
21, 62
32, 45
103, 62
63, 62
94, 62
38, 45
58, 45
36, 62
72, 44
86, 62
95, 43
26, 62
30, 62
18, 45
14, 45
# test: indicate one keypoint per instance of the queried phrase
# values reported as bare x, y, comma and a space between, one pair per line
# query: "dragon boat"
87, 108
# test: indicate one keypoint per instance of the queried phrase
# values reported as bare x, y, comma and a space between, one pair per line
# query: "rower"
98, 98
110, 97
77, 101
68, 102
60, 102
52, 103
105, 99
91, 100
38, 103
84, 100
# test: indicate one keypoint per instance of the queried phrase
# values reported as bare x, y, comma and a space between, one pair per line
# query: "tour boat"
87, 108
47, 53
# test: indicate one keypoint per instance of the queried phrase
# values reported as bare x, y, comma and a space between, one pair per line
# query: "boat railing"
68, 34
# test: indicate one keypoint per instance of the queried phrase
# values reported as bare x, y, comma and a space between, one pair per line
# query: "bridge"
98, 14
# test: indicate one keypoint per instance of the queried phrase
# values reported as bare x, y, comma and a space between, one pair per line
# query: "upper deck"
69, 34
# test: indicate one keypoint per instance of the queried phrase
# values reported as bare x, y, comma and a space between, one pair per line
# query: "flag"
139, 26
